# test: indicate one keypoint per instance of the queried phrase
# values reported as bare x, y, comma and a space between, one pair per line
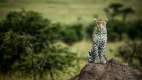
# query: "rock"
113, 70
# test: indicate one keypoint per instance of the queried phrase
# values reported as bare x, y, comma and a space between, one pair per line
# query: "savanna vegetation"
44, 44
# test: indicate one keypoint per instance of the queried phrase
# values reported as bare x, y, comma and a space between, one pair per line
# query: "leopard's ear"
104, 23
97, 23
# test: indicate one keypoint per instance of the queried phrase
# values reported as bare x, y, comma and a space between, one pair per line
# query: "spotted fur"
97, 51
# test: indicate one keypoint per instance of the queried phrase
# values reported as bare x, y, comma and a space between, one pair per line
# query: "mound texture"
110, 71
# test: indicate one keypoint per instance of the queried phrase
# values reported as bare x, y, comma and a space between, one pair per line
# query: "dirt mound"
110, 71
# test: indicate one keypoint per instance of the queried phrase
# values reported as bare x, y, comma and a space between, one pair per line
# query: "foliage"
28, 44
131, 53
28, 41
113, 10
69, 33
13, 47
115, 30
72, 33
117, 9
134, 29
89, 30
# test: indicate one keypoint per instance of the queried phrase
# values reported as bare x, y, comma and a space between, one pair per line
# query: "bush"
135, 29
72, 33
13, 47
131, 53
115, 30
28, 44
89, 30
20, 33
24, 22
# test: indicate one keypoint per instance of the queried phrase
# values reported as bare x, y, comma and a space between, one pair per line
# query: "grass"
58, 12
66, 11
83, 47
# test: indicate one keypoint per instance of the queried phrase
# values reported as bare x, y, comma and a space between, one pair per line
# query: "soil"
113, 70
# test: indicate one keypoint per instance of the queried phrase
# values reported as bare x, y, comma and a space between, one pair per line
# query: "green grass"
66, 11
58, 12
83, 47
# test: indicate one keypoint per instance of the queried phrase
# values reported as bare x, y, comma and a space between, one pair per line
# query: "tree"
113, 10
116, 9
126, 11
28, 46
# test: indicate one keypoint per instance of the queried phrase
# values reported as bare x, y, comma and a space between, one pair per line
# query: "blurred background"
50, 39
